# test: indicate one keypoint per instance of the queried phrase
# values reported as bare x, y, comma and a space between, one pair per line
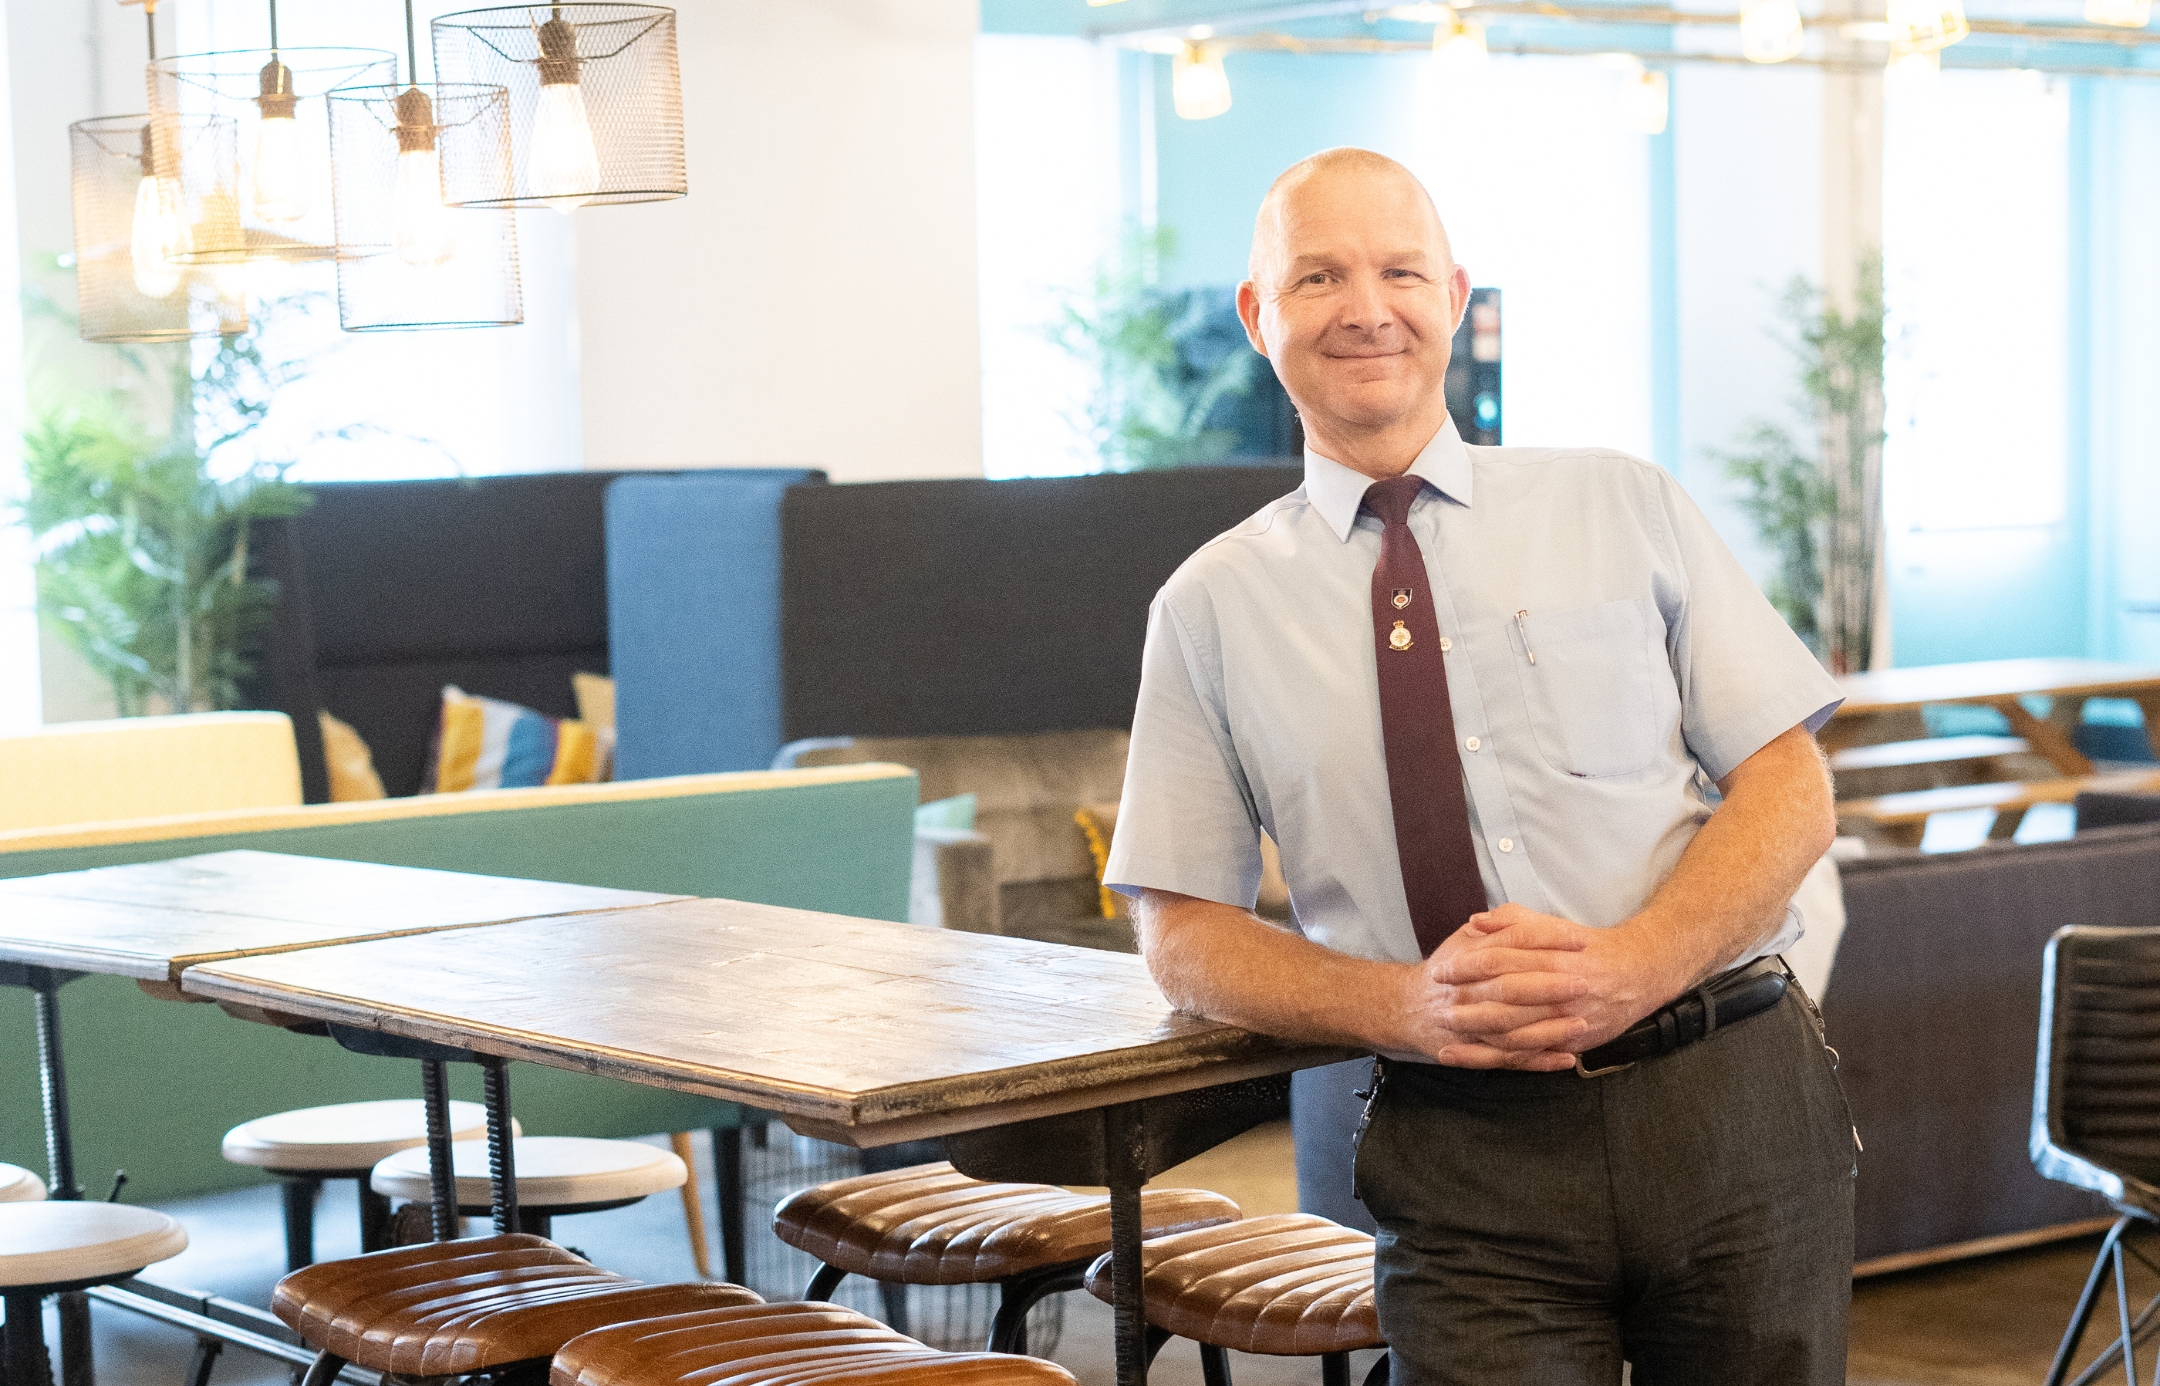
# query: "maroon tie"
1424, 769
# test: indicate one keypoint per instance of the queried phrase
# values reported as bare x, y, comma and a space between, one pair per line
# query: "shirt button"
1472, 742
1507, 844
1446, 645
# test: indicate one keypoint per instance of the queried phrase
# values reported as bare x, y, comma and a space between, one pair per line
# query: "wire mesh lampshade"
135, 226
407, 258
274, 99
595, 99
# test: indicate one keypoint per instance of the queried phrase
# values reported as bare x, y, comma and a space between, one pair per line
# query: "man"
1479, 698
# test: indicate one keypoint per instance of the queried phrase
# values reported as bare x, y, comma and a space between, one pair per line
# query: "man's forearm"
1734, 881
1227, 964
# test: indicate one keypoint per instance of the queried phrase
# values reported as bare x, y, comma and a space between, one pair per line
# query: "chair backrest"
2096, 1088
147, 767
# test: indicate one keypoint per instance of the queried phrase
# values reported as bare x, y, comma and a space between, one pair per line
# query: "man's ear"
1459, 292
1248, 311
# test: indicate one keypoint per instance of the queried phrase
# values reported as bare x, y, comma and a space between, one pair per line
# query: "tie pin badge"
1402, 598
1398, 638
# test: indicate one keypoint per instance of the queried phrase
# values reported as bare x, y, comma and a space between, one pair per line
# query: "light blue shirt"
1658, 668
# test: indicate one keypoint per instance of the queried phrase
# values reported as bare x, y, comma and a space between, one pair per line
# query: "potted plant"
1819, 507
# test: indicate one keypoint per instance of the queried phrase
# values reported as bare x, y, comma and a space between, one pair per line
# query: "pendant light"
280, 209
1458, 46
595, 101
1926, 26
1771, 31
1199, 87
136, 225
409, 258
2122, 14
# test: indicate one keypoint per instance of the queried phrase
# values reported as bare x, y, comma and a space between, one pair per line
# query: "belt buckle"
1581, 1072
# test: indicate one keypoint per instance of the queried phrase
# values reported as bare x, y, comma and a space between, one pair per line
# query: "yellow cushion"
596, 709
351, 764
147, 767
486, 743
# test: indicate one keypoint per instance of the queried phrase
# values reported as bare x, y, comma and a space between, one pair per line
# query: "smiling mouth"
1364, 355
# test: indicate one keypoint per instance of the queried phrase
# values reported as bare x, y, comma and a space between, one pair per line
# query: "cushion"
1099, 821
147, 767
596, 709
1289, 1284
956, 814
52, 1243
485, 743
352, 769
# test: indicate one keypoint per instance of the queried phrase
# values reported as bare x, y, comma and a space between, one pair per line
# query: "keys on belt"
1723, 1000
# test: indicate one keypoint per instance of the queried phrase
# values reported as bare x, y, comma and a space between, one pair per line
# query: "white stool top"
551, 1171
52, 1243
349, 1135
18, 1185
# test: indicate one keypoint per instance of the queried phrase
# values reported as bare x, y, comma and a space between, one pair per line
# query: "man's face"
1355, 301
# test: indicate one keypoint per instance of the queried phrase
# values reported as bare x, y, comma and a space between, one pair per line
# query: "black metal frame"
1016, 1295
302, 1189
2131, 1330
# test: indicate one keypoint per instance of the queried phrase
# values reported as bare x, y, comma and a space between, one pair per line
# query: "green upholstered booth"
154, 1084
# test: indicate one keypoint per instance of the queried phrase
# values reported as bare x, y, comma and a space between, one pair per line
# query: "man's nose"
1365, 306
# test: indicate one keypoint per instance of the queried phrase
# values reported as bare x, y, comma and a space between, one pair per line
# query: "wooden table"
1035, 1061
1877, 697
153, 920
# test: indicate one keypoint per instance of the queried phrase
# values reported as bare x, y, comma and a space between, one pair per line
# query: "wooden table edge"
878, 1117
2125, 688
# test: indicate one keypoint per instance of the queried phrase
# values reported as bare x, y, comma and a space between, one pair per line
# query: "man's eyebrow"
1408, 255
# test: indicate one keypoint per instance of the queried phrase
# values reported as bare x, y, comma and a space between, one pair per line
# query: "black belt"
1723, 1000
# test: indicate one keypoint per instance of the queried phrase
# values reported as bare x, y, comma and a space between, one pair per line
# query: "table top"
152, 920
1889, 690
856, 1030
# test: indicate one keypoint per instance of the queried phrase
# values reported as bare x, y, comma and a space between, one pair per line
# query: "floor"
1991, 1322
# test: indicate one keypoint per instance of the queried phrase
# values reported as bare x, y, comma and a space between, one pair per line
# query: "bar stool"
309, 1145
556, 1176
931, 1225
18, 1185
799, 1344
51, 1248
1285, 1285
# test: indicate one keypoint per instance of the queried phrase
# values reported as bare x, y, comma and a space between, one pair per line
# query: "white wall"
813, 300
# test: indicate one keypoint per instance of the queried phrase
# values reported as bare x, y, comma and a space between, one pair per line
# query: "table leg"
1125, 1145
52, 1082
502, 1152
2049, 739
442, 1178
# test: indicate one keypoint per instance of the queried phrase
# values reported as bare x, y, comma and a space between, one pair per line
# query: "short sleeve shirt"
1659, 668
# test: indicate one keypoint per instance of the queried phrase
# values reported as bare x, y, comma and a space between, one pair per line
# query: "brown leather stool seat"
452, 1307
1287, 1285
931, 1225
781, 1345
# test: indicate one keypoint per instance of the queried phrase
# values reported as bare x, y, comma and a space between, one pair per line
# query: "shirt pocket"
1588, 682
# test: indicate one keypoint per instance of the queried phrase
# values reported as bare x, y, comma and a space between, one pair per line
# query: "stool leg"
893, 1296
1378, 1376
822, 1284
324, 1372
728, 1181
1008, 1330
374, 1218
78, 1367
300, 1196
1334, 1369
1156, 1337
537, 1222
25, 1360
206, 1356
1214, 1365
693, 1205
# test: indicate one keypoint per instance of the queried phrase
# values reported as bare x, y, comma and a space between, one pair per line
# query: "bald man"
1538, 759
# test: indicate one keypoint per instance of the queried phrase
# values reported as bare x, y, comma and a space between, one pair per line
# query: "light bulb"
420, 226
1912, 75
280, 177
158, 229
1770, 31
1198, 85
1926, 26
564, 164
2122, 14
1458, 47
1645, 102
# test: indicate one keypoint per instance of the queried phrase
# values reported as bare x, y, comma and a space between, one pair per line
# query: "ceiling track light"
1771, 31
2119, 14
1199, 87
595, 101
1926, 26
1458, 46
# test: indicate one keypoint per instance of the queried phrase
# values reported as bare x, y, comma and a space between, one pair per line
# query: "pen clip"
1524, 632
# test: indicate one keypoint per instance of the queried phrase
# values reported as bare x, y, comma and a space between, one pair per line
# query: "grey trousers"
1691, 1215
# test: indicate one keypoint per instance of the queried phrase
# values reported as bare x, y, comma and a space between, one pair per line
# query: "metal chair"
2096, 1112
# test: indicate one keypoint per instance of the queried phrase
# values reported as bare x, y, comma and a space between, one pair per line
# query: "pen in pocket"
1524, 632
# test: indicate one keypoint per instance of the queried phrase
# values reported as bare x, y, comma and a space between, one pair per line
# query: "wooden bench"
1934, 762
1902, 818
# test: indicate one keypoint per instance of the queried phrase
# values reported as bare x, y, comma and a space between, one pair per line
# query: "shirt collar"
1337, 492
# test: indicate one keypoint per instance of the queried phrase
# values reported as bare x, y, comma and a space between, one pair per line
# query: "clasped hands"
1514, 988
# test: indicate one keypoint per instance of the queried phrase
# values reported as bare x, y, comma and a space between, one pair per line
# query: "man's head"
1354, 296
